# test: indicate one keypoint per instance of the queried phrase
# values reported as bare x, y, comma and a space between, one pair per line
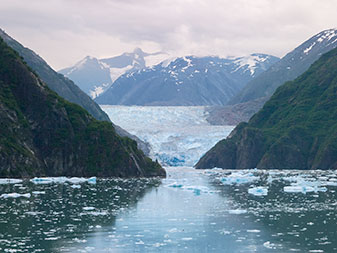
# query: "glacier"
178, 135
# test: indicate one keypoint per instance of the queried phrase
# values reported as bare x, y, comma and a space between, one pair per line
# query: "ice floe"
304, 189
240, 177
196, 189
72, 180
15, 195
38, 192
258, 191
10, 181
237, 211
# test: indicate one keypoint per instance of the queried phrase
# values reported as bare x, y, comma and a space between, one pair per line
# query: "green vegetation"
43, 134
296, 128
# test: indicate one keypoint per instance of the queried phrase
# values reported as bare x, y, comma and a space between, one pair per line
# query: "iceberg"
258, 191
237, 211
38, 192
239, 178
303, 189
10, 181
15, 195
72, 180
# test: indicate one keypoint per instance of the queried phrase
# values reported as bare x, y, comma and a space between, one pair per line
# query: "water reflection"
190, 211
57, 212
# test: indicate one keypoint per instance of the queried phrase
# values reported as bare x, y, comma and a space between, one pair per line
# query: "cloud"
64, 31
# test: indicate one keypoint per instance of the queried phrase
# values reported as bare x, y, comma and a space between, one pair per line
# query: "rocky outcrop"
65, 87
232, 115
296, 128
44, 135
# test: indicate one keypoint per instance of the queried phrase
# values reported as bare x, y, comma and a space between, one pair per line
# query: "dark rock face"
186, 81
232, 115
296, 128
55, 81
43, 134
65, 87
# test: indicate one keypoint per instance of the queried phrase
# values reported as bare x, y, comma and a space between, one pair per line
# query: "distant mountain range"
186, 81
94, 75
256, 92
295, 129
289, 67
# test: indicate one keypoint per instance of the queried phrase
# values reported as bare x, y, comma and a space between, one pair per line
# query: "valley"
168, 126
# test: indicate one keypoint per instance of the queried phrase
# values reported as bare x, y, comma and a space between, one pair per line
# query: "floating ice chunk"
304, 189
38, 192
75, 186
77, 180
330, 183
92, 180
197, 189
88, 208
175, 185
253, 231
47, 180
269, 245
239, 178
15, 195
187, 239
10, 181
258, 191
33, 213
237, 211
73, 180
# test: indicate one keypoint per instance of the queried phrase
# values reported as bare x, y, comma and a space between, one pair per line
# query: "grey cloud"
223, 27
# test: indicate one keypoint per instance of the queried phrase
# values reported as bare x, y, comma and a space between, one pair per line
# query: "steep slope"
94, 75
296, 128
43, 134
186, 81
65, 87
57, 82
288, 68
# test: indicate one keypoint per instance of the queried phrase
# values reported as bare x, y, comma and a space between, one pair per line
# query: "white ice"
15, 195
304, 189
178, 136
237, 211
72, 180
258, 191
240, 177
10, 181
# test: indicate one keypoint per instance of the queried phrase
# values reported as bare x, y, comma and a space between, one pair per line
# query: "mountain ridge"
95, 75
295, 129
187, 80
288, 68
44, 135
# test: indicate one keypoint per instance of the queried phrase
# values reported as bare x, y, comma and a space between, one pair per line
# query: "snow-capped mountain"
289, 67
94, 75
187, 81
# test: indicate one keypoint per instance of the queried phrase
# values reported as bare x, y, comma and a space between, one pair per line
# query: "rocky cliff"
44, 135
296, 128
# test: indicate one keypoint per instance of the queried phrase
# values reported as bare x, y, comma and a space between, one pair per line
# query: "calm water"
189, 211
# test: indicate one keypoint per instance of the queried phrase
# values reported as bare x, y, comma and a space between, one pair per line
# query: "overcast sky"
65, 31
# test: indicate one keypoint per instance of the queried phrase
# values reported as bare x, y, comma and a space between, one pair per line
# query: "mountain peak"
138, 51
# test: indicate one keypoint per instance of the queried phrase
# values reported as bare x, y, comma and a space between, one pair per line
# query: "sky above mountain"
65, 31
